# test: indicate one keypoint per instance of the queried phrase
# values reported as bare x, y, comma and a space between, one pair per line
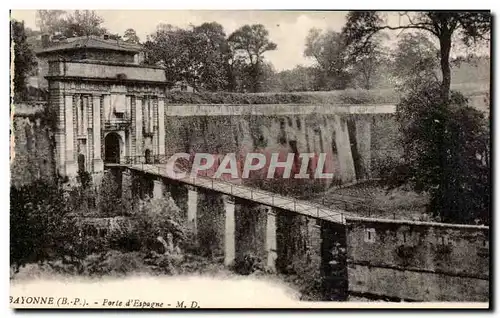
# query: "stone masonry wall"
418, 261
315, 133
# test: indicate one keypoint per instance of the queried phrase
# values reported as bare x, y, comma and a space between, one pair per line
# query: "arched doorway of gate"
148, 157
112, 143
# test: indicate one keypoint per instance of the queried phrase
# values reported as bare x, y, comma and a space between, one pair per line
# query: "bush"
38, 222
248, 264
446, 153
159, 217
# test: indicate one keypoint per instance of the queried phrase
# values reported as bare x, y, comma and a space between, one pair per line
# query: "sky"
288, 29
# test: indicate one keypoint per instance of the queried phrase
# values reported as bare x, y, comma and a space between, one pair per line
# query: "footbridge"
157, 166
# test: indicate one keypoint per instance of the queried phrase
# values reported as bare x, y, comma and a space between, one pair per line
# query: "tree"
84, 23
50, 21
130, 36
252, 41
77, 23
416, 59
327, 48
197, 55
298, 79
24, 60
214, 56
470, 27
367, 70
446, 153
169, 47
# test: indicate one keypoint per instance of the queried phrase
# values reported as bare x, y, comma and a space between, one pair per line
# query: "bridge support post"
158, 189
229, 238
271, 242
298, 244
210, 223
192, 209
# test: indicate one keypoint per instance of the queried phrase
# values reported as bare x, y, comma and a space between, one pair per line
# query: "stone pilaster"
98, 165
161, 126
70, 164
138, 127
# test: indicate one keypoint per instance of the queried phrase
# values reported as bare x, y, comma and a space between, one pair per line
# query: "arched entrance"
112, 148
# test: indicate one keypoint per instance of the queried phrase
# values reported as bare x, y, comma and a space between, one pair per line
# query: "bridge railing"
157, 165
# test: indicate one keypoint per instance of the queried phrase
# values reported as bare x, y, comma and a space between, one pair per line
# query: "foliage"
70, 24
415, 57
24, 60
159, 217
248, 264
328, 51
130, 36
471, 26
251, 42
110, 201
196, 56
367, 70
50, 21
446, 153
298, 79
37, 214
349, 96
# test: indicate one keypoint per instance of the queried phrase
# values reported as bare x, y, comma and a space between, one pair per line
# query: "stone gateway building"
107, 105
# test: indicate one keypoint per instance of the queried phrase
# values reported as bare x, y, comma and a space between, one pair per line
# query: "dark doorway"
147, 155
112, 148
81, 163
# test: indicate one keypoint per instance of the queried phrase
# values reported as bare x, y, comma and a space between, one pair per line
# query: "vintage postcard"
250, 159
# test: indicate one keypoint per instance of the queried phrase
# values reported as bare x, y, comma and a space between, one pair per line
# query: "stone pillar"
96, 130
70, 165
210, 223
292, 242
161, 126
158, 188
229, 238
363, 142
271, 242
251, 222
138, 127
192, 208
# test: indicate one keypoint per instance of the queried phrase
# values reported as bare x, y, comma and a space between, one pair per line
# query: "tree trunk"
256, 77
445, 44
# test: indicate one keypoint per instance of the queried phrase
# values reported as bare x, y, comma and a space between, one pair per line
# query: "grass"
371, 199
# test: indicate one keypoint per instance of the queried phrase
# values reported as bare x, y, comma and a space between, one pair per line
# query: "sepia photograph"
250, 159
